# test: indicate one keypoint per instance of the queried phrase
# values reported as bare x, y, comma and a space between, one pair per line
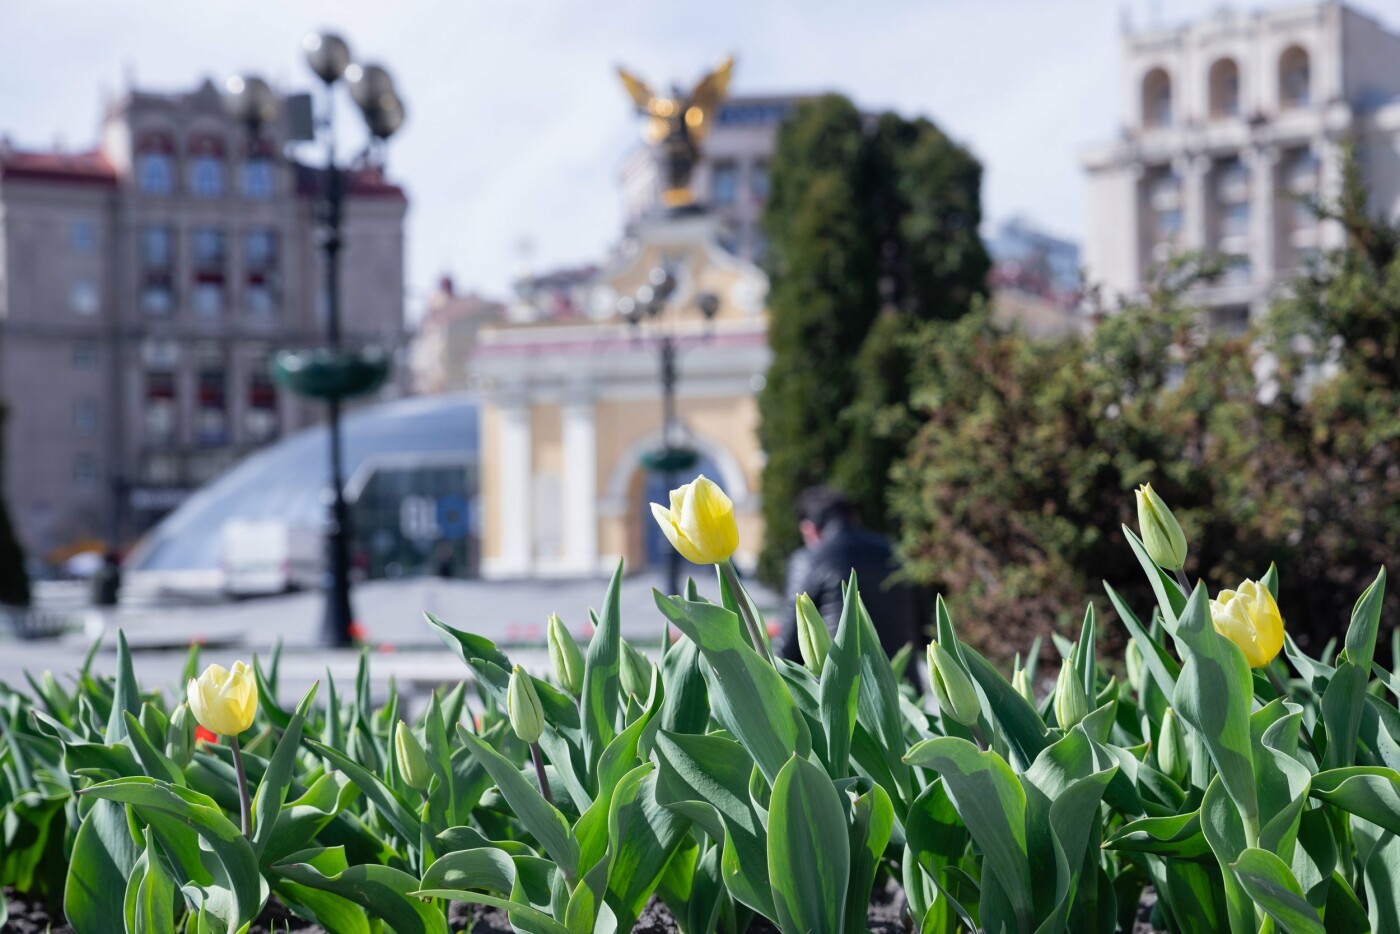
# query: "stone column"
1193, 172
517, 531
1262, 164
580, 441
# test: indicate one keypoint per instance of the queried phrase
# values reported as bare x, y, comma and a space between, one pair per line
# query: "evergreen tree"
872, 228
821, 302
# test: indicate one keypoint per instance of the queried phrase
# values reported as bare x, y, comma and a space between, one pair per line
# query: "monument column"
517, 530
580, 441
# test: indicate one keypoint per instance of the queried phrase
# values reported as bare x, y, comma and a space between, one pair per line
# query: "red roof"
79, 168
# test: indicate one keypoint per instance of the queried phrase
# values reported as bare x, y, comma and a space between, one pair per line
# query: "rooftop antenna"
129, 74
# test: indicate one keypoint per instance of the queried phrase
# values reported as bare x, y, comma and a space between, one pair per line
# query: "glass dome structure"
286, 482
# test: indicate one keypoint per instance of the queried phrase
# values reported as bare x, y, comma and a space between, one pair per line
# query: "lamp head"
327, 54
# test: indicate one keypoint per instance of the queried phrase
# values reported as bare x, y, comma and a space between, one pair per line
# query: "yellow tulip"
1249, 617
224, 701
700, 523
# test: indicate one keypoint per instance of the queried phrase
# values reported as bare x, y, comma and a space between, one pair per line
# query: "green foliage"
1277, 445
872, 228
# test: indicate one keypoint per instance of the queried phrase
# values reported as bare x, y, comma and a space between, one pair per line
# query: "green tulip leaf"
383, 891
1163, 668
992, 803
754, 703
537, 815
809, 859
150, 895
1214, 694
104, 858
840, 687
706, 778
272, 790
644, 835
299, 821
1225, 832
157, 800
462, 876
1269, 882
1177, 836
1369, 792
405, 823
872, 823
600, 702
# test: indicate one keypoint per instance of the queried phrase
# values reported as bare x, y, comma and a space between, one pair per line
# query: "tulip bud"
1172, 757
813, 638
523, 706
179, 737
1161, 534
50, 685
224, 701
413, 762
952, 688
565, 656
1249, 617
635, 673
1071, 704
700, 523
1132, 657
1021, 681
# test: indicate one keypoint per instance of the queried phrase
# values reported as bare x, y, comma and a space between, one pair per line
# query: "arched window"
1294, 78
1224, 89
1157, 98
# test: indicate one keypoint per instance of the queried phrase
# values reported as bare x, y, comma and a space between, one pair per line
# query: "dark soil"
31, 917
28, 917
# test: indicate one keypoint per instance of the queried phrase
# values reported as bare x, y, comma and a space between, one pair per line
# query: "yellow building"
572, 404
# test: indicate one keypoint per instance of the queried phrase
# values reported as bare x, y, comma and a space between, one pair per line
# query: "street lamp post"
331, 373
674, 455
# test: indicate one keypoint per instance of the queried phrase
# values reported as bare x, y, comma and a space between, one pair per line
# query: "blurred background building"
446, 334
1230, 125
144, 286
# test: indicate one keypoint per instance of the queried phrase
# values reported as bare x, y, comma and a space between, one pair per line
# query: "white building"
1229, 125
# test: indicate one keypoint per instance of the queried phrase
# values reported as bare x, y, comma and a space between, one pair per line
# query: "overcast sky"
517, 125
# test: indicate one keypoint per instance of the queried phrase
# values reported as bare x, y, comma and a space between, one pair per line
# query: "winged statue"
676, 125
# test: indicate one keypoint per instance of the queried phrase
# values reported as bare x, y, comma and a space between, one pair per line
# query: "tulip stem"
245, 805
1185, 584
539, 772
760, 644
1276, 681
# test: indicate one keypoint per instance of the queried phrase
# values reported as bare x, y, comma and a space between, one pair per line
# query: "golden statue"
677, 124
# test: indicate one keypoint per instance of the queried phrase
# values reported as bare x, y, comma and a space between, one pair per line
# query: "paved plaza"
402, 645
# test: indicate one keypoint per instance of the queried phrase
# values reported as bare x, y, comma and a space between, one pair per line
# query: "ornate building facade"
1230, 125
144, 286
573, 403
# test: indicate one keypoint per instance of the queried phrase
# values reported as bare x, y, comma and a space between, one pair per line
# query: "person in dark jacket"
835, 545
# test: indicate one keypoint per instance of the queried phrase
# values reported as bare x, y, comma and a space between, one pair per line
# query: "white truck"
268, 556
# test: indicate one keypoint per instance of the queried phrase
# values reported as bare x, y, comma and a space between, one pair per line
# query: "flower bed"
735, 790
